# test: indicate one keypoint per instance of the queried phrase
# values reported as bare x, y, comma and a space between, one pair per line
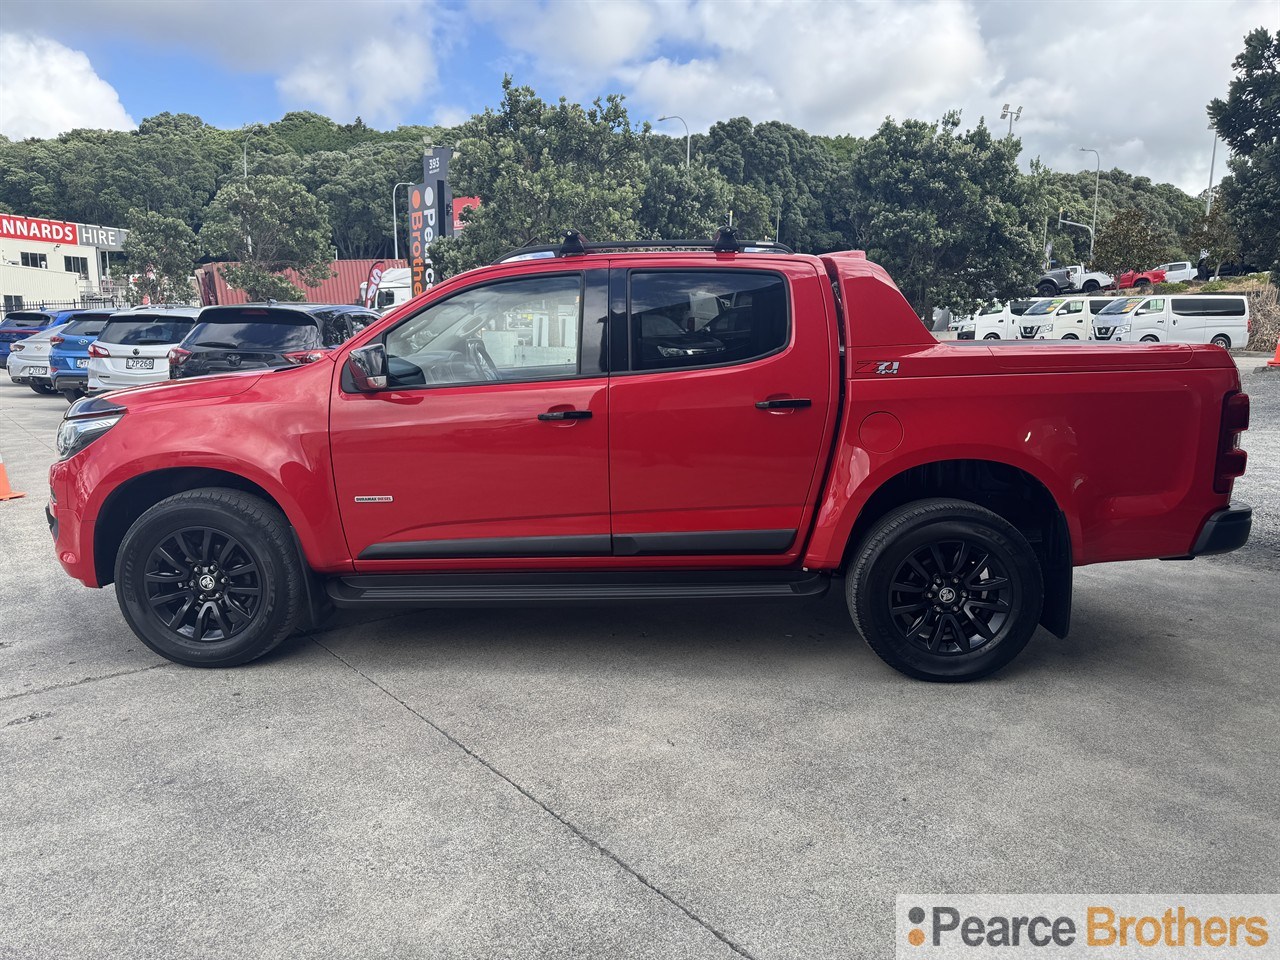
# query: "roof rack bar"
574, 245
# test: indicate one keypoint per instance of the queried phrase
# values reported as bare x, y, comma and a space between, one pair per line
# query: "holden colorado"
663, 423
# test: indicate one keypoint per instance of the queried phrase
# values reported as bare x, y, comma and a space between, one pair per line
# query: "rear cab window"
138, 331
701, 318
255, 328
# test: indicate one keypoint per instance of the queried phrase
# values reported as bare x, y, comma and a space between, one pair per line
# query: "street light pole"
1213, 157
244, 153
1097, 181
687, 139
395, 222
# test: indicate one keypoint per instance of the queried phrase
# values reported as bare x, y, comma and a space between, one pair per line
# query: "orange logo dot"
915, 937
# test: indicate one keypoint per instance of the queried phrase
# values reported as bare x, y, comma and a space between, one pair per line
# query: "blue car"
21, 324
69, 355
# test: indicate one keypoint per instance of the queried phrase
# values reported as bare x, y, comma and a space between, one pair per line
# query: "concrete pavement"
622, 782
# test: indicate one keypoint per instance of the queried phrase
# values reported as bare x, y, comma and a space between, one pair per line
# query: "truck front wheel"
1047, 289
210, 578
945, 590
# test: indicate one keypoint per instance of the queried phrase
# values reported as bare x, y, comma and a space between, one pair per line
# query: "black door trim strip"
711, 542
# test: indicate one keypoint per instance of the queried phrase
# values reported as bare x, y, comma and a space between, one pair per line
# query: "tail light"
56, 339
305, 356
1231, 459
97, 351
178, 356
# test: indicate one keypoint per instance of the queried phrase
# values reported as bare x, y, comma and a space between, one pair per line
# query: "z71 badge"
879, 367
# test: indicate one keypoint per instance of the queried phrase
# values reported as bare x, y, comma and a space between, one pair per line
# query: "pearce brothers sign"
59, 231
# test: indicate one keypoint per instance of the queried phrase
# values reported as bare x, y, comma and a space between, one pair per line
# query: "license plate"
139, 363
37, 371
82, 361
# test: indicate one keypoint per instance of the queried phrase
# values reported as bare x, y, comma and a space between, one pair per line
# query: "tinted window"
27, 319
1209, 306
85, 327
1096, 305
523, 329
137, 331
256, 329
700, 318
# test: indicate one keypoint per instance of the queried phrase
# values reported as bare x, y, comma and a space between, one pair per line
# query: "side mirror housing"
368, 368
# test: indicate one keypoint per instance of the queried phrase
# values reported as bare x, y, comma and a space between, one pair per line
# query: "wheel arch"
1016, 494
132, 498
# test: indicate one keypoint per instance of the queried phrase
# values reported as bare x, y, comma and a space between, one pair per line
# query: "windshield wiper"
218, 343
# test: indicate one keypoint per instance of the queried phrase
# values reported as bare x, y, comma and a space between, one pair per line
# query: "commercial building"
56, 263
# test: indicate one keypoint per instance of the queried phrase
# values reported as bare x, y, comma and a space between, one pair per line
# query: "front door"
720, 416
490, 442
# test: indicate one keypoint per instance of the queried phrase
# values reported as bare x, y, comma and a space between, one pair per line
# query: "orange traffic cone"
6, 491
1270, 363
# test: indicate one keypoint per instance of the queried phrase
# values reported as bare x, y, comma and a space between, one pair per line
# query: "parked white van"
1061, 318
996, 321
1223, 320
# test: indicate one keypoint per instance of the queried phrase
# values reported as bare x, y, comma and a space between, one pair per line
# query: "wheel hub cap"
207, 583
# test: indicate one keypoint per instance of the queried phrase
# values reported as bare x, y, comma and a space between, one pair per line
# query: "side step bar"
524, 589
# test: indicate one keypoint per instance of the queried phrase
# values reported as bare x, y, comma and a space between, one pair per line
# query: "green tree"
1249, 121
540, 169
943, 212
1215, 234
355, 187
269, 225
162, 252
1129, 241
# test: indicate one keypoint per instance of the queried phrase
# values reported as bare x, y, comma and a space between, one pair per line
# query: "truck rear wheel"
210, 578
1090, 286
945, 590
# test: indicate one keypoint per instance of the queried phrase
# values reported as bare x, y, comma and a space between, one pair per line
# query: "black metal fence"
83, 303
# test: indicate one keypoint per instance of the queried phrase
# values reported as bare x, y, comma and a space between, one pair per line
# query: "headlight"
1047, 328
968, 326
1123, 328
76, 433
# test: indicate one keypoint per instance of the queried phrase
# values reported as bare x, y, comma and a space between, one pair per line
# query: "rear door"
719, 408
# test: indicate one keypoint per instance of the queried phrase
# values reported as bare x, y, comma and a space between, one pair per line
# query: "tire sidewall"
871, 596
151, 529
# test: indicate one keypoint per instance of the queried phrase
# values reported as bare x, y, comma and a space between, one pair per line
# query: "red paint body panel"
1123, 437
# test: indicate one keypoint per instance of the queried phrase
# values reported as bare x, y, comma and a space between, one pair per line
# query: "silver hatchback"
134, 346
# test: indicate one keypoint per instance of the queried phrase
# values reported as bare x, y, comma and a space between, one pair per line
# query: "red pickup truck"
619, 422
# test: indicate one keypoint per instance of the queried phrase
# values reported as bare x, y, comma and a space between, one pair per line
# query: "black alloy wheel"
203, 584
211, 578
950, 597
945, 590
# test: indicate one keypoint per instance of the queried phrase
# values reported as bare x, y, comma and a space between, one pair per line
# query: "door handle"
790, 403
566, 415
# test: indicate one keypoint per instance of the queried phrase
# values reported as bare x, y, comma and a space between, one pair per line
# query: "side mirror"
368, 368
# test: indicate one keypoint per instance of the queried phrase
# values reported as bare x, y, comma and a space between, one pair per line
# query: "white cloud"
47, 89
375, 58
1126, 78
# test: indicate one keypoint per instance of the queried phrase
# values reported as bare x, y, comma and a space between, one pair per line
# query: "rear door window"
704, 318
26, 320
141, 331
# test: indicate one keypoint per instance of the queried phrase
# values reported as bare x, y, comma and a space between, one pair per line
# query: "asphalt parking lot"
707, 781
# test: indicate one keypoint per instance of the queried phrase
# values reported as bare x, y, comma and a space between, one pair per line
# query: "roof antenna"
572, 245
726, 241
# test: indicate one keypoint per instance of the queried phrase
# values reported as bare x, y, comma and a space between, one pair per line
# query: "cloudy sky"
1128, 77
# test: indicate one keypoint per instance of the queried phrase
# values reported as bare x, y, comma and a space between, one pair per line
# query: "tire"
1222, 340
1142, 282
992, 336
1047, 289
40, 388
1149, 339
239, 616
71, 395
913, 547
1091, 285
1069, 336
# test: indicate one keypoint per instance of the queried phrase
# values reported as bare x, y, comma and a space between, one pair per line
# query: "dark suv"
258, 336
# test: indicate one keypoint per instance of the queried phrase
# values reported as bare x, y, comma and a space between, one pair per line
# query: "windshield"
85, 326
1044, 307
138, 331
1123, 305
